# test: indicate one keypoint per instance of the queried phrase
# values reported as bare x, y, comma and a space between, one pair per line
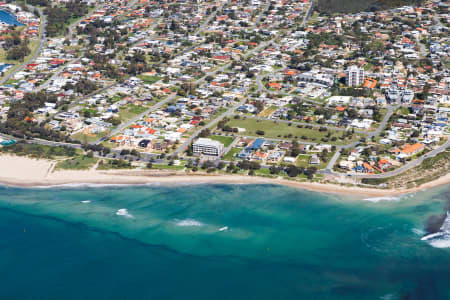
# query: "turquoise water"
217, 242
9, 18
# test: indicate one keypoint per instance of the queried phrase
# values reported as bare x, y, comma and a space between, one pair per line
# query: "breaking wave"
188, 223
124, 212
440, 239
384, 198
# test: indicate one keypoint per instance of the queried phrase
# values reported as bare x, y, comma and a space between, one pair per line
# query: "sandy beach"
26, 172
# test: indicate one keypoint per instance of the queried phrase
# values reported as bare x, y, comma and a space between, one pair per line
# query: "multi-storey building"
208, 147
354, 76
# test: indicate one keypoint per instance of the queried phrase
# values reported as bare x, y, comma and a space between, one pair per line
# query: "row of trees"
293, 171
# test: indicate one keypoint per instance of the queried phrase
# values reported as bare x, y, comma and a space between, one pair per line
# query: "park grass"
77, 163
131, 111
39, 151
230, 155
278, 130
404, 111
149, 79
225, 140
268, 111
167, 167
88, 138
114, 164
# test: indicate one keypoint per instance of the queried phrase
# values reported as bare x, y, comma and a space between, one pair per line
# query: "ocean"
219, 242
9, 18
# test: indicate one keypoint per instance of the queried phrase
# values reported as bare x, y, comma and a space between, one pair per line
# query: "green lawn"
114, 165
404, 111
131, 111
225, 140
231, 154
278, 130
77, 163
88, 138
167, 167
149, 79
303, 160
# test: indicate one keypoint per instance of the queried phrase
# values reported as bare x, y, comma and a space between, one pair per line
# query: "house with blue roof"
256, 145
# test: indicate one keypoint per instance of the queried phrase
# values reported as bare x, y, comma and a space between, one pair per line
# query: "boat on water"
223, 228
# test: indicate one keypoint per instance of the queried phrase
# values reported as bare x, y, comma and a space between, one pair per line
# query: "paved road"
42, 41
409, 165
246, 55
56, 74
75, 24
308, 14
228, 113
210, 18
76, 102
333, 160
228, 148
135, 119
266, 7
383, 123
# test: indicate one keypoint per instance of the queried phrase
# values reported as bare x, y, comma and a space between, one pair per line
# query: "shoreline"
19, 171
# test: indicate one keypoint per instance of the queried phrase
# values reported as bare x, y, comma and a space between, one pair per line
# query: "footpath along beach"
27, 172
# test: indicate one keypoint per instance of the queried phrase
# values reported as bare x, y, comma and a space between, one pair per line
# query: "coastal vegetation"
114, 164
39, 151
80, 162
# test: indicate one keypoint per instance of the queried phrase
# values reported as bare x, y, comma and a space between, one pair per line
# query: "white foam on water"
124, 212
384, 198
440, 243
189, 223
418, 231
440, 239
86, 201
225, 228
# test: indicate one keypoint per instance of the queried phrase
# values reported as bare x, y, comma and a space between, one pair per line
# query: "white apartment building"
208, 147
354, 76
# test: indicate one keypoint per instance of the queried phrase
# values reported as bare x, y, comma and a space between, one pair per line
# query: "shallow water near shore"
218, 242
